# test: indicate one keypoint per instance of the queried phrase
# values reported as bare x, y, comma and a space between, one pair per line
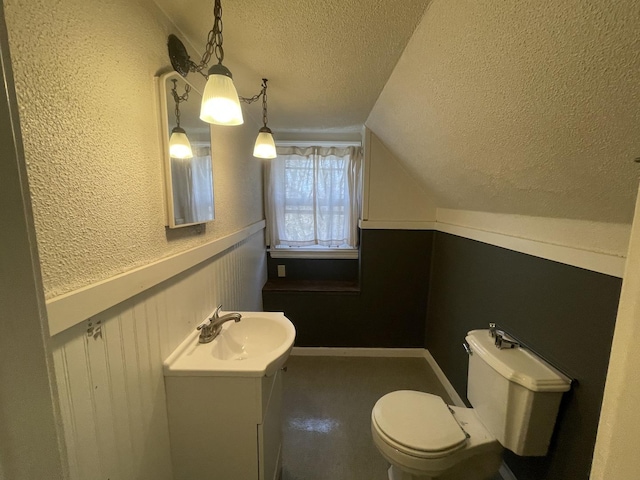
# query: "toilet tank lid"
518, 364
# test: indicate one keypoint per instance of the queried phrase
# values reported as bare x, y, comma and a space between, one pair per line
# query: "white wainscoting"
74, 307
109, 368
606, 263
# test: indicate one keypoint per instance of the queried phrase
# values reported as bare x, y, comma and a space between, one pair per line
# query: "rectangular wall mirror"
188, 177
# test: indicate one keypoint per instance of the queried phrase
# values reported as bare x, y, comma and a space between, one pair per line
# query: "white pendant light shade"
179, 145
265, 146
220, 103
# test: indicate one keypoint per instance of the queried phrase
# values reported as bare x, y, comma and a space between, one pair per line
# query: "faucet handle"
206, 324
216, 313
504, 341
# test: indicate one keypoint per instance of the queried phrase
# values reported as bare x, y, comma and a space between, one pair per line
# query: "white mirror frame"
166, 123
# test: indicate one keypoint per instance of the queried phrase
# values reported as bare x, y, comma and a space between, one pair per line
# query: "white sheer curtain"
192, 185
313, 197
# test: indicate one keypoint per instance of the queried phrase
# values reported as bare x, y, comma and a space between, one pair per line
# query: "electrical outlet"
282, 271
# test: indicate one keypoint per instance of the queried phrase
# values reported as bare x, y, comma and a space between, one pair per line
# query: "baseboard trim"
455, 397
357, 352
506, 473
384, 352
277, 474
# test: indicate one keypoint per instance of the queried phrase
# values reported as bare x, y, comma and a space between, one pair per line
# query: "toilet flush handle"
467, 348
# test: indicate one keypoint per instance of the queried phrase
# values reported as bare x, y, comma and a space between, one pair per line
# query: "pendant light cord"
179, 98
263, 95
214, 42
264, 101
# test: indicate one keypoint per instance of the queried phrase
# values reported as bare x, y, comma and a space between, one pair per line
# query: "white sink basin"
258, 345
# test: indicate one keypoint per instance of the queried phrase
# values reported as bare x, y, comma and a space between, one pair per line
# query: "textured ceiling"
531, 108
520, 107
326, 62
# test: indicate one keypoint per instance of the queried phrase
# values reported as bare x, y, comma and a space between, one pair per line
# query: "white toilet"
515, 396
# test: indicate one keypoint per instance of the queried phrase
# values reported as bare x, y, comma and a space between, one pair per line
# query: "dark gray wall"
314, 269
565, 313
389, 310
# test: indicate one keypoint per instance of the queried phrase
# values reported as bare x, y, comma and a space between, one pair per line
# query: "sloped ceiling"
326, 61
530, 108
505, 106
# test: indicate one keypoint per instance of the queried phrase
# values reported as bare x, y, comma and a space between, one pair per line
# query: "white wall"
526, 108
390, 193
395, 199
596, 246
607, 238
85, 81
616, 450
29, 415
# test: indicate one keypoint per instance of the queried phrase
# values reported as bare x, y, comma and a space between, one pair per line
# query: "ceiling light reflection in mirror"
189, 180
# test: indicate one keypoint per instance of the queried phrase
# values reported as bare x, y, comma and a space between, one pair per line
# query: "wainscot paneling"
109, 368
566, 314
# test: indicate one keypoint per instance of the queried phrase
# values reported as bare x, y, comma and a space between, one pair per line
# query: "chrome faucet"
211, 328
492, 330
502, 340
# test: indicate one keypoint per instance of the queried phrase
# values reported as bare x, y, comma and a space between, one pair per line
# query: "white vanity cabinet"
225, 427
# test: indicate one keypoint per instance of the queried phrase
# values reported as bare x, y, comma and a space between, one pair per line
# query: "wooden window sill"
307, 286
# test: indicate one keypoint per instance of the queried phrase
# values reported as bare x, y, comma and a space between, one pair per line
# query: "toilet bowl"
423, 439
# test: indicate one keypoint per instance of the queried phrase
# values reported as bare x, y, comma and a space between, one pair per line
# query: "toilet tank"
515, 394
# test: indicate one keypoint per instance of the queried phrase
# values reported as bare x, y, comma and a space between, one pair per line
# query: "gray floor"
327, 408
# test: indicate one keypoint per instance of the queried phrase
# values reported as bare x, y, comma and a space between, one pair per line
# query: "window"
313, 197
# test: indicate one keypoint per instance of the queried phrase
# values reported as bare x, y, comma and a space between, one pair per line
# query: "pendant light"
179, 145
265, 147
220, 102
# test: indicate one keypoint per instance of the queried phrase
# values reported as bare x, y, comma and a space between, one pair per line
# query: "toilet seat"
418, 424
478, 456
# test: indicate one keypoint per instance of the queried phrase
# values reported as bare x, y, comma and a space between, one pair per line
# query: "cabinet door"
212, 425
270, 434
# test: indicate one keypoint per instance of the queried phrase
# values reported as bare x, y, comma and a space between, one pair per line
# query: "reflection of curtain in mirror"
181, 179
192, 187
202, 188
